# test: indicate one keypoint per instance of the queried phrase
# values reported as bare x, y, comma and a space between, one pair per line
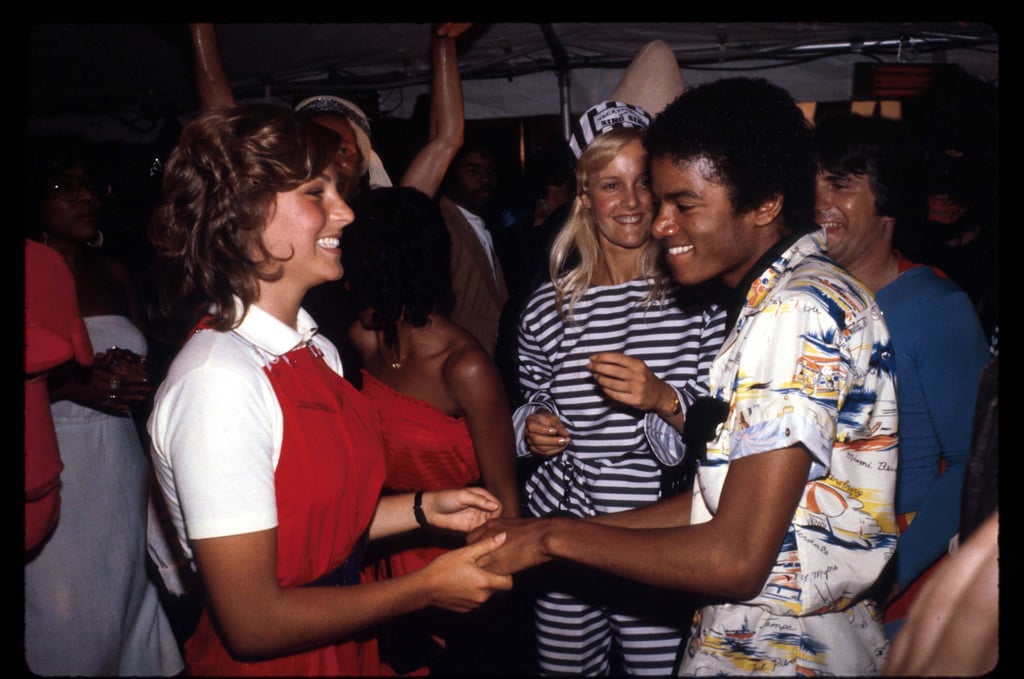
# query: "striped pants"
590, 623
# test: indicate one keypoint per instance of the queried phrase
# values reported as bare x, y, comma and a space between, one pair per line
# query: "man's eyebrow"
685, 193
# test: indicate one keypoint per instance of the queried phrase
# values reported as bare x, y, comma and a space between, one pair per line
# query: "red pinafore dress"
328, 480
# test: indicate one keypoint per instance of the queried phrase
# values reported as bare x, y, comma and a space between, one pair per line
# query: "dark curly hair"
397, 258
51, 156
887, 153
755, 137
220, 183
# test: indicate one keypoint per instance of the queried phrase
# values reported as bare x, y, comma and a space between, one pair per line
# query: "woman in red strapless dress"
442, 407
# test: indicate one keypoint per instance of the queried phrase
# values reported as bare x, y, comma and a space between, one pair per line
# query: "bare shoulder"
465, 359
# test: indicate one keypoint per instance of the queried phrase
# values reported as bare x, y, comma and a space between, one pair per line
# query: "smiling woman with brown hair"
269, 460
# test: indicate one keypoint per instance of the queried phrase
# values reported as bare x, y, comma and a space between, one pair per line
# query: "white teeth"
329, 242
680, 249
830, 225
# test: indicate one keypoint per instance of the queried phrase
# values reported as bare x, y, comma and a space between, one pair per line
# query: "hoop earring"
98, 241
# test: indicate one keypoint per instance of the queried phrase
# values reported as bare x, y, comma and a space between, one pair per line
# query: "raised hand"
450, 29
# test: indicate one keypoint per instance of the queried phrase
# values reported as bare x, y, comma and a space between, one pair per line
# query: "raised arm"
212, 84
447, 119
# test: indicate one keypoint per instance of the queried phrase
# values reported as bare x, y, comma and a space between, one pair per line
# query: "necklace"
396, 362
394, 347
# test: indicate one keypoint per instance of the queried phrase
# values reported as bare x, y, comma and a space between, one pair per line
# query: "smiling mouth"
680, 249
330, 243
830, 226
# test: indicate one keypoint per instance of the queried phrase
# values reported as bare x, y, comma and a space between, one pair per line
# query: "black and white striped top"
677, 338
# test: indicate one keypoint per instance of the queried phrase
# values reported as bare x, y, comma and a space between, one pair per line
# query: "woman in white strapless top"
90, 607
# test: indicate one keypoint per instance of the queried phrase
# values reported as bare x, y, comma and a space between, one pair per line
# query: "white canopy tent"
120, 79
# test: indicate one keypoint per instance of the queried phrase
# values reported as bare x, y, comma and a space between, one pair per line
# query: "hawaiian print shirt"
808, 363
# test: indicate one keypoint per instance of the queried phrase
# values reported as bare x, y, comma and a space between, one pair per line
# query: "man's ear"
890, 223
768, 211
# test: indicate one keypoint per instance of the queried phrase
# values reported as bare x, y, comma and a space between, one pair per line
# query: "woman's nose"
339, 210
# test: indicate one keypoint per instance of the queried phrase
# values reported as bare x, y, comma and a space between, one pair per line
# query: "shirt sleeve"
712, 335
216, 447
949, 367
535, 374
665, 440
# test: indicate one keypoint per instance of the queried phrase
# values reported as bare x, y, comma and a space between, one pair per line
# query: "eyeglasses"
67, 186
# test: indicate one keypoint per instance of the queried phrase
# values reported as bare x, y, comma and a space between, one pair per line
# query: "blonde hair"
579, 233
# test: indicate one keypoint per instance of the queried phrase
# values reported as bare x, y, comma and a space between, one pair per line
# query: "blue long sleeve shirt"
940, 352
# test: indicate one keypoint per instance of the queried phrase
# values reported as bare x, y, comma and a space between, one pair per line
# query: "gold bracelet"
676, 407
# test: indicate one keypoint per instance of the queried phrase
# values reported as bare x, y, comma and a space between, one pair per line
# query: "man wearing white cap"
355, 161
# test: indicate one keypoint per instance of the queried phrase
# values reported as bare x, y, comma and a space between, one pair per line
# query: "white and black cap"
602, 117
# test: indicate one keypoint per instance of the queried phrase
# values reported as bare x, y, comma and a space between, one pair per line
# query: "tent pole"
565, 105
561, 61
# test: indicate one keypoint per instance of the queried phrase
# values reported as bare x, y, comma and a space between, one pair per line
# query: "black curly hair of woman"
396, 255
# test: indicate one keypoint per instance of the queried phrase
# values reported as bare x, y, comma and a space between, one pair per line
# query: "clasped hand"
122, 379
459, 581
523, 545
116, 383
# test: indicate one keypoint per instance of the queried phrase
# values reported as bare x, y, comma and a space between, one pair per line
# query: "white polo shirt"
216, 426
